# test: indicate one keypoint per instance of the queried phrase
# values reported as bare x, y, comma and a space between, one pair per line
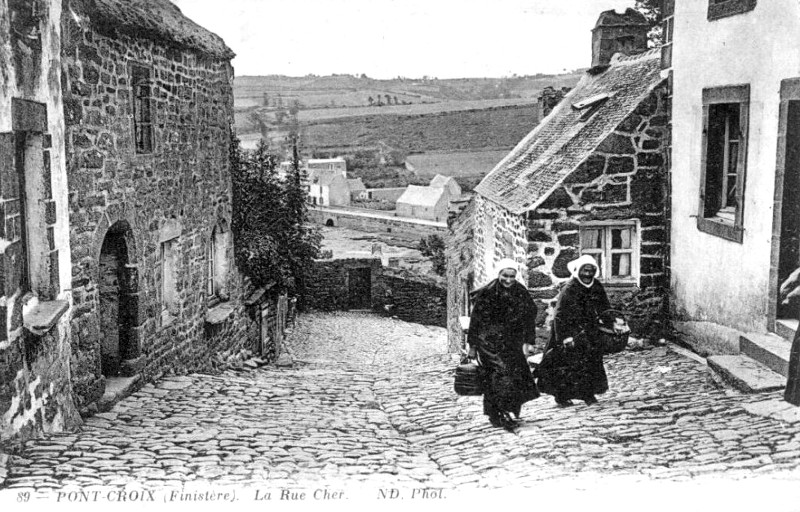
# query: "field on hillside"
455, 163
495, 128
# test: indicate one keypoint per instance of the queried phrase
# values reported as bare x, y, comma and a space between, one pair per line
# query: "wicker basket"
611, 342
469, 379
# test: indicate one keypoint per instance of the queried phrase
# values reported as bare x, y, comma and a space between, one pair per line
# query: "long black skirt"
572, 373
508, 380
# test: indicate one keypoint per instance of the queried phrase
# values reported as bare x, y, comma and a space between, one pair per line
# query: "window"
142, 109
725, 111
614, 247
217, 264
718, 9
168, 281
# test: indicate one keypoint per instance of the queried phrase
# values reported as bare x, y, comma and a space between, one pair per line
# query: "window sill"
620, 284
42, 317
219, 314
720, 227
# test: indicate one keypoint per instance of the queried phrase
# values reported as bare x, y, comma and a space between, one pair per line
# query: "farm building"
427, 203
589, 179
116, 124
452, 188
327, 165
356, 187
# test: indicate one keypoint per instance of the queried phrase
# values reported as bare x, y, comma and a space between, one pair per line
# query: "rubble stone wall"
183, 182
459, 253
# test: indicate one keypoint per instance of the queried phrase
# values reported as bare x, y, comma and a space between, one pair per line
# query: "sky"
409, 38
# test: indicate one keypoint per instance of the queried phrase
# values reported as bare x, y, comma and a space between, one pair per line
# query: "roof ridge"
621, 58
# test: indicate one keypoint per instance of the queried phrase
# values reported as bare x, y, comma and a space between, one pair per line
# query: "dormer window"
588, 106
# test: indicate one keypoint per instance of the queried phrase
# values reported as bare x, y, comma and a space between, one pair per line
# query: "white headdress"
574, 267
504, 264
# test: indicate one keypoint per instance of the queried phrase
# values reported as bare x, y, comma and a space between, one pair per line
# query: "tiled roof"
562, 141
157, 20
421, 196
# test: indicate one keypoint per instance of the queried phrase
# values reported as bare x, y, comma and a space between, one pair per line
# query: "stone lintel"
42, 317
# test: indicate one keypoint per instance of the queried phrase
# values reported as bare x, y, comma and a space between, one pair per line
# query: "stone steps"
746, 374
768, 349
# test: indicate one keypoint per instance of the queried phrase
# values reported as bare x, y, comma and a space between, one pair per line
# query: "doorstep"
746, 374
117, 388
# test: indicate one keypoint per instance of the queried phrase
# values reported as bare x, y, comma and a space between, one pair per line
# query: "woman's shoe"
563, 402
590, 400
496, 421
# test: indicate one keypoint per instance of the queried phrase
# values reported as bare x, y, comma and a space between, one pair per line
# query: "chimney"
618, 33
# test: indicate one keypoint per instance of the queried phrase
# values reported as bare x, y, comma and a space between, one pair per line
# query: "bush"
433, 248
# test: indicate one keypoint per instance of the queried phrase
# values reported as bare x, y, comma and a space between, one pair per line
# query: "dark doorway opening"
360, 288
329, 223
118, 308
789, 257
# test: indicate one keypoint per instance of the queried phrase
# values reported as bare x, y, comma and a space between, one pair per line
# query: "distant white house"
328, 188
429, 203
337, 164
449, 184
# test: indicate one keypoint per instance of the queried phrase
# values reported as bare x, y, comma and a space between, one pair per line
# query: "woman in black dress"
572, 366
502, 326
790, 295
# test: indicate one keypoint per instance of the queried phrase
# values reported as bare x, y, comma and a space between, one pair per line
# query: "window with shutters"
724, 146
718, 9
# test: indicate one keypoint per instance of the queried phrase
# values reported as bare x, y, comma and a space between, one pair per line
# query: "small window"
168, 281
614, 247
142, 109
217, 264
723, 161
718, 9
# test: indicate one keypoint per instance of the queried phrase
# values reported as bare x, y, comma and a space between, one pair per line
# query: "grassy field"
459, 164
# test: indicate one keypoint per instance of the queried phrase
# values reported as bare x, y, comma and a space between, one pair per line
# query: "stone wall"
176, 193
625, 179
459, 253
411, 297
373, 221
35, 388
397, 292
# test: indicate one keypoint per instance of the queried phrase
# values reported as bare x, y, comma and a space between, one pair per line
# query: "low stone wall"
409, 296
399, 227
412, 297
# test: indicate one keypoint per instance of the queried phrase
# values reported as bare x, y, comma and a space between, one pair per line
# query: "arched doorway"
118, 308
329, 223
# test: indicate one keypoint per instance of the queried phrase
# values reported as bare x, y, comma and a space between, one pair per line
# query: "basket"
469, 379
611, 342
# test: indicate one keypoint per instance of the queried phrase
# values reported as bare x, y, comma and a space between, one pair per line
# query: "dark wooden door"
360, 288
789, 258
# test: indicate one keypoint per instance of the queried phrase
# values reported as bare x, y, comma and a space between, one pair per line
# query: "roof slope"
440, 181
421, 196
157, 20
562, 141
356, 184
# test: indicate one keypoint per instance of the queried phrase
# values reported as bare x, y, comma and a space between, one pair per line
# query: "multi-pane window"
718, 9
142, 109
217, 264
725, 112
614, 248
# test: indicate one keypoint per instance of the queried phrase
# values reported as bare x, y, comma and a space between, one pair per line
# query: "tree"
652, 11
371, 100
388, 99
265, 100
274, 243
395, 101
433, 247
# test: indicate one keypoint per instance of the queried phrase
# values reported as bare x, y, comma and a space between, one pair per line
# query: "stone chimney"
618, 33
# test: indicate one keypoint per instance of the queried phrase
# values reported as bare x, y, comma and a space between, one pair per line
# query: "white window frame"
607, 251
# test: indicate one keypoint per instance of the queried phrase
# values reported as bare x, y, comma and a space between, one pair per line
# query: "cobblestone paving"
370, 400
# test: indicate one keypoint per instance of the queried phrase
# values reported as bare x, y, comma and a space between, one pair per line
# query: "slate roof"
440, 181
421, 196
562, 141
355, 184
159, 20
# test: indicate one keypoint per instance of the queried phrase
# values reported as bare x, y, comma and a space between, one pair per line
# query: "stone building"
736, 187
116, 198
427, 203
459, 254
589, 179
148, 112
35, 387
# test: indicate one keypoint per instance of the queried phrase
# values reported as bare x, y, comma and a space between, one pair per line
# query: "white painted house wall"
714, 279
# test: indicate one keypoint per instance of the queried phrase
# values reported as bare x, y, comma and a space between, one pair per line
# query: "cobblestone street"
370, 400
